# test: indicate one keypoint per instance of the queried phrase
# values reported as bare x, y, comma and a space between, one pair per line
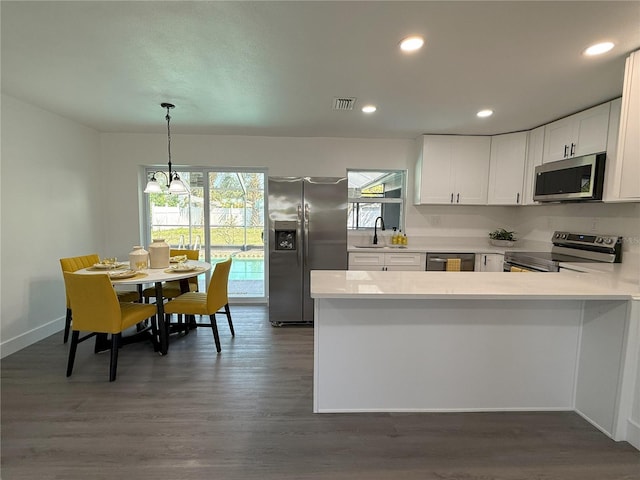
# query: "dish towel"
518, 269
453, 265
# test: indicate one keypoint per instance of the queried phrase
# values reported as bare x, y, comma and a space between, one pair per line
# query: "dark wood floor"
246, 414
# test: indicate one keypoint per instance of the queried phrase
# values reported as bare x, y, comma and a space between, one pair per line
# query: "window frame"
401, 200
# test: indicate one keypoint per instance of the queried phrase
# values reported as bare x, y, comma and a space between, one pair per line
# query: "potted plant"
502, 238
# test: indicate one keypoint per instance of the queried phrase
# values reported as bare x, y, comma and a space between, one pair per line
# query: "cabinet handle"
566, 147
458, 198
518, 198
452, 198
573, 149
485, 260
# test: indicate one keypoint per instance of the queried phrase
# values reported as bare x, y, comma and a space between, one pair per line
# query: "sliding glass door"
222, 216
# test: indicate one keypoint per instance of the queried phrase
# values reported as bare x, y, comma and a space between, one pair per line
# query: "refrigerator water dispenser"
285, 233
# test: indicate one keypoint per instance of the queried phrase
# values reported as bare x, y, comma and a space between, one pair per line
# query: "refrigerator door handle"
306, 233
299, 234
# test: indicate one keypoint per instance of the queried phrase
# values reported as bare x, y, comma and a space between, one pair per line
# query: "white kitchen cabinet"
489, 262
452, 169
576, 135
535, 147
506, 168
387, 261
623, 168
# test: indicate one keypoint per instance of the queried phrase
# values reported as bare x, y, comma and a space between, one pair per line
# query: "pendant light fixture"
174, 184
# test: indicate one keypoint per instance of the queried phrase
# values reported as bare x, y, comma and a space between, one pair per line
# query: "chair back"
191, 254
94, 303
217, 292
73, 264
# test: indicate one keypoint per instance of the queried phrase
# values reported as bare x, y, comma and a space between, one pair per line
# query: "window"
376, 193
222, 216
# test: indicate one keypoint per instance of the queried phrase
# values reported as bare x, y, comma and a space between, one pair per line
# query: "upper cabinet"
623, 168
452, 169
506, 170
580, 134
535, 147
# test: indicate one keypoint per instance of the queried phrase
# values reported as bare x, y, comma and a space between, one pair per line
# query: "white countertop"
469, 285
448, 245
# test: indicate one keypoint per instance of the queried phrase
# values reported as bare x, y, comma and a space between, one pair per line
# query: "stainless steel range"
567, 247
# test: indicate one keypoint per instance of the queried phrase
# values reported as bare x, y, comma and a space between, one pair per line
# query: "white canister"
138, 258
159, 253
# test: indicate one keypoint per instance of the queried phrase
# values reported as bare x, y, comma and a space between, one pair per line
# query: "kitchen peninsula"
456, 341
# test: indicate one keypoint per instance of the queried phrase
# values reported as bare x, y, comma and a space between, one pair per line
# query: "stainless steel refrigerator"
307, 231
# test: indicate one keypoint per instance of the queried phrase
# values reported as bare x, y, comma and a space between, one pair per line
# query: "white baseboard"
633, 433
34, 335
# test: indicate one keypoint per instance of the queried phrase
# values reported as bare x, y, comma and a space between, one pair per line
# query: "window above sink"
376, 193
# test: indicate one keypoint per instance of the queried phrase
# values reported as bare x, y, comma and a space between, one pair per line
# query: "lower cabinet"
387, 261
489, 262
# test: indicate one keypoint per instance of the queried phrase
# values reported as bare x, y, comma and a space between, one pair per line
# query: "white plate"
106, 266
122, 275
183, 268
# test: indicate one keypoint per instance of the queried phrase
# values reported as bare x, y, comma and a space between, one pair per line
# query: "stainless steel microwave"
571, 180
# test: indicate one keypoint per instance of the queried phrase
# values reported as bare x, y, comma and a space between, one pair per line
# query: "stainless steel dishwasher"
437, 262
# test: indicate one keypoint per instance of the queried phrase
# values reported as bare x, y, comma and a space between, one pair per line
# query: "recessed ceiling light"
484, 113
369, 109
598, 48
411, 44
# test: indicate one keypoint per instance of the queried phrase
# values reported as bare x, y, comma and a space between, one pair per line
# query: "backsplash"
533, 223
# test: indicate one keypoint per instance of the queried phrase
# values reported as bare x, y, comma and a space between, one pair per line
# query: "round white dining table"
156, 276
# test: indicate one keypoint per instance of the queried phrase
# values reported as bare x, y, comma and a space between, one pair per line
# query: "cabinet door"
590, 131
489, 262
435, 169
629, 140
471, 155
494, 263
535, 146
366, 261
557, 140
506, 169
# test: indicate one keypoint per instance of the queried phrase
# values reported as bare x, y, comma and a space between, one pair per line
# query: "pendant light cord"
168, 118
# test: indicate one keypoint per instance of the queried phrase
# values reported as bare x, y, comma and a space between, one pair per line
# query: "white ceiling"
273, 68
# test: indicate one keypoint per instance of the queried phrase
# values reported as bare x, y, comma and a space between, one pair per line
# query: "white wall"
127, 153
51, 208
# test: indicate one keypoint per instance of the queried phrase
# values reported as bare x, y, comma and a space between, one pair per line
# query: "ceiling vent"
343, 103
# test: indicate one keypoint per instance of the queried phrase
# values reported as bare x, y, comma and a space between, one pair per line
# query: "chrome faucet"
375, 229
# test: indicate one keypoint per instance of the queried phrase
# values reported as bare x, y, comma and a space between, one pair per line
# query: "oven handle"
511, 268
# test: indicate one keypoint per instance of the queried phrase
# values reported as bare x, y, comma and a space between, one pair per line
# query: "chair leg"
228, 313
214, 327
115, 345
67, 325
72, 351
154, 333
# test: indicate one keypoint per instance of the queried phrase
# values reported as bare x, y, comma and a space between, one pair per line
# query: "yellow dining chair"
172, 289
73, 264
209, 303
96, 309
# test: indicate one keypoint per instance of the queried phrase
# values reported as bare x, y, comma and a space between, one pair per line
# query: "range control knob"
599, 240
564, 236
608, 241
